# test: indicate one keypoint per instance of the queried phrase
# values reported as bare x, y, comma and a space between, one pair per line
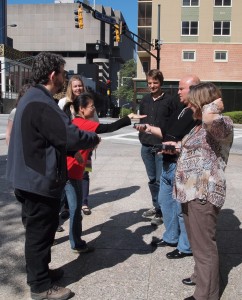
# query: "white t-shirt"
12, 114
62, 103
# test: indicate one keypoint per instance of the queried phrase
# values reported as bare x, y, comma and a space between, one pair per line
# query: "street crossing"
129, 136
133, 136
237, 133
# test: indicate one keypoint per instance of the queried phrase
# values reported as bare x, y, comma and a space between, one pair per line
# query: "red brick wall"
174, 68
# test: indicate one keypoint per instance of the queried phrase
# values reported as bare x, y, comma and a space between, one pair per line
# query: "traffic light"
123, 27
108, 84
116, 33
79, 17
157, 44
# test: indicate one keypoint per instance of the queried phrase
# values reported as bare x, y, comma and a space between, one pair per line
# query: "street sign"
104, 18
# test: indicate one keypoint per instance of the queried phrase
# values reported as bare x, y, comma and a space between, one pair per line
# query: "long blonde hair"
202, 94
69, 94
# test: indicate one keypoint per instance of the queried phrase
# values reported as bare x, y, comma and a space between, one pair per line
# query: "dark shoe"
161, 243
86, 210
60, 229
65, 214
190, 298
188, 281
177, 254
54, 293
157, 219
86, 249
54, 243
149, 213
56, 274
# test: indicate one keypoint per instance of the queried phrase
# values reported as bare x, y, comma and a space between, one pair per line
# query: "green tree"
125, 90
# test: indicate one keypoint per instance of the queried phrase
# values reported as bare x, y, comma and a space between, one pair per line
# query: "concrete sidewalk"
124, 266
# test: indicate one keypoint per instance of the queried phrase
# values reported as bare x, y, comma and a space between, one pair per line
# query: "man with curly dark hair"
41, 136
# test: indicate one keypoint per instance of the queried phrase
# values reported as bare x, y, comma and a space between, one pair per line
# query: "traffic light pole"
109, 20
158, 40
157, 57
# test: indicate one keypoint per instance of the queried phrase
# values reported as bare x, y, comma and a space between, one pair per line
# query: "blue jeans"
153, 165
73, 190
171, 210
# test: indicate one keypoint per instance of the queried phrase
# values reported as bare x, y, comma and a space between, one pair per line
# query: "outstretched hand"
135, 116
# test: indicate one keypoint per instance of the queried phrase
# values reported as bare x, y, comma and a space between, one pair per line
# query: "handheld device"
140, 125
159, 147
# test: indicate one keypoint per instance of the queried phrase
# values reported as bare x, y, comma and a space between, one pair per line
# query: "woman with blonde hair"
75, 88
200, 184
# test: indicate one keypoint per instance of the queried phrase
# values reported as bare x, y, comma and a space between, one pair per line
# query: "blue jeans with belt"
171, 210
153, 165
73, 190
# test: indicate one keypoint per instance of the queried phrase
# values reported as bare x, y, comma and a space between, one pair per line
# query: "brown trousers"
200, 220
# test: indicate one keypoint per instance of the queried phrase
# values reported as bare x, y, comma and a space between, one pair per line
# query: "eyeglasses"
91, 107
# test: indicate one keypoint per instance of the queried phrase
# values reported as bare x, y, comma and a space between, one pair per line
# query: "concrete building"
203, 37
90, 52
14, 65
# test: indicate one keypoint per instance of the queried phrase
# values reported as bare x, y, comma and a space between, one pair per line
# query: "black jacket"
41, 136
179, 124
158, 112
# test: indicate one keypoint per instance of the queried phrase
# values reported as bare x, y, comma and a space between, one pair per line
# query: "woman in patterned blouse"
200, 185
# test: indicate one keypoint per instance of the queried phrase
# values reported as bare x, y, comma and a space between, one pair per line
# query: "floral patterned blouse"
201, 166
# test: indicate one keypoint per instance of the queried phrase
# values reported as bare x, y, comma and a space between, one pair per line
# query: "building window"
145, 67
190, 3
222, 2
145, 34
188, 55
221, 56
189, 28
145, 14
221, 28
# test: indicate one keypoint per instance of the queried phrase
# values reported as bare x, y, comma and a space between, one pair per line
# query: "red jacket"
76, 170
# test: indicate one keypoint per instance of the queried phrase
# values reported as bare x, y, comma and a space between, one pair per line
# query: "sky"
129, 9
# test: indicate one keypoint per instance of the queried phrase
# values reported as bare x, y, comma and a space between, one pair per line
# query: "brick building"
202, 37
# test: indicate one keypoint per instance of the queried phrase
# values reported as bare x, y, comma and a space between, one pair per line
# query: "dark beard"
58, 86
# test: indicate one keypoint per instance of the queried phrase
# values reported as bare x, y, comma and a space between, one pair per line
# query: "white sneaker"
54, 293
149, 213
157, 220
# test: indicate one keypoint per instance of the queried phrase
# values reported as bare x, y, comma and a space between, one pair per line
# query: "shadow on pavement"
100, 198
12, 235
103, 197
229, 239
116, 243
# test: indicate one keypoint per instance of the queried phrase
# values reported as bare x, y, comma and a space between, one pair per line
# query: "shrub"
124, 112
236, 116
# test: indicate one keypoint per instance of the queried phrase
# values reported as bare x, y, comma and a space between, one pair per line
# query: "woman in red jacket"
84, 109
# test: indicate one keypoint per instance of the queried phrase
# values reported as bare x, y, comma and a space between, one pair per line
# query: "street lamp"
97, 47
102, 47
3, 35
9, 25
12, 25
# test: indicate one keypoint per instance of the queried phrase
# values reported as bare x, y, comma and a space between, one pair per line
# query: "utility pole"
158, 37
